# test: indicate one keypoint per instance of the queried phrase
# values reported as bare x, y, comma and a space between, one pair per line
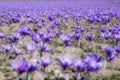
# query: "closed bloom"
109, 53
117, 48
90, 37
32, 67
45, 61
102, 29
117, 37
66, 61
77, 36
31, 47
20, 66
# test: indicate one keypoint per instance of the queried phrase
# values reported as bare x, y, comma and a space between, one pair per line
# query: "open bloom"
94, 62
47, 37
45, 61
65, 61
15, 37
24, 30
20, 66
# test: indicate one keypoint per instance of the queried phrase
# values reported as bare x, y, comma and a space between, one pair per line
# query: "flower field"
60, 40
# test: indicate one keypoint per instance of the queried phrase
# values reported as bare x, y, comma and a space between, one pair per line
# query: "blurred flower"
102, 29
7, 47
80, 64
109, 53
31, 47
17, 51
66, 40
47, 37
117, 37
45, 61
2, 35
43, 47
59, 32
20, 66
117, 48
90, 37
32, 67
24, 30
106, 36
66, 61
15, 37
77, 36
94, 62
35, 37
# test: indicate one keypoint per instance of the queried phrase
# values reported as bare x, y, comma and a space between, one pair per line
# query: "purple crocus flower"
102, 29
109, 53
7, 47
32, 67
15, 37
36, 37
20, 66
17, 51
45, 61
117, 37
31, 47
47, 37
117, 48
66, 40
2, 35
80, 64
106, 36
90, 37
66, 61
40, 25
49, 30
79, 29
43, 47
77, 36
59, 32
23, 30
94, 62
